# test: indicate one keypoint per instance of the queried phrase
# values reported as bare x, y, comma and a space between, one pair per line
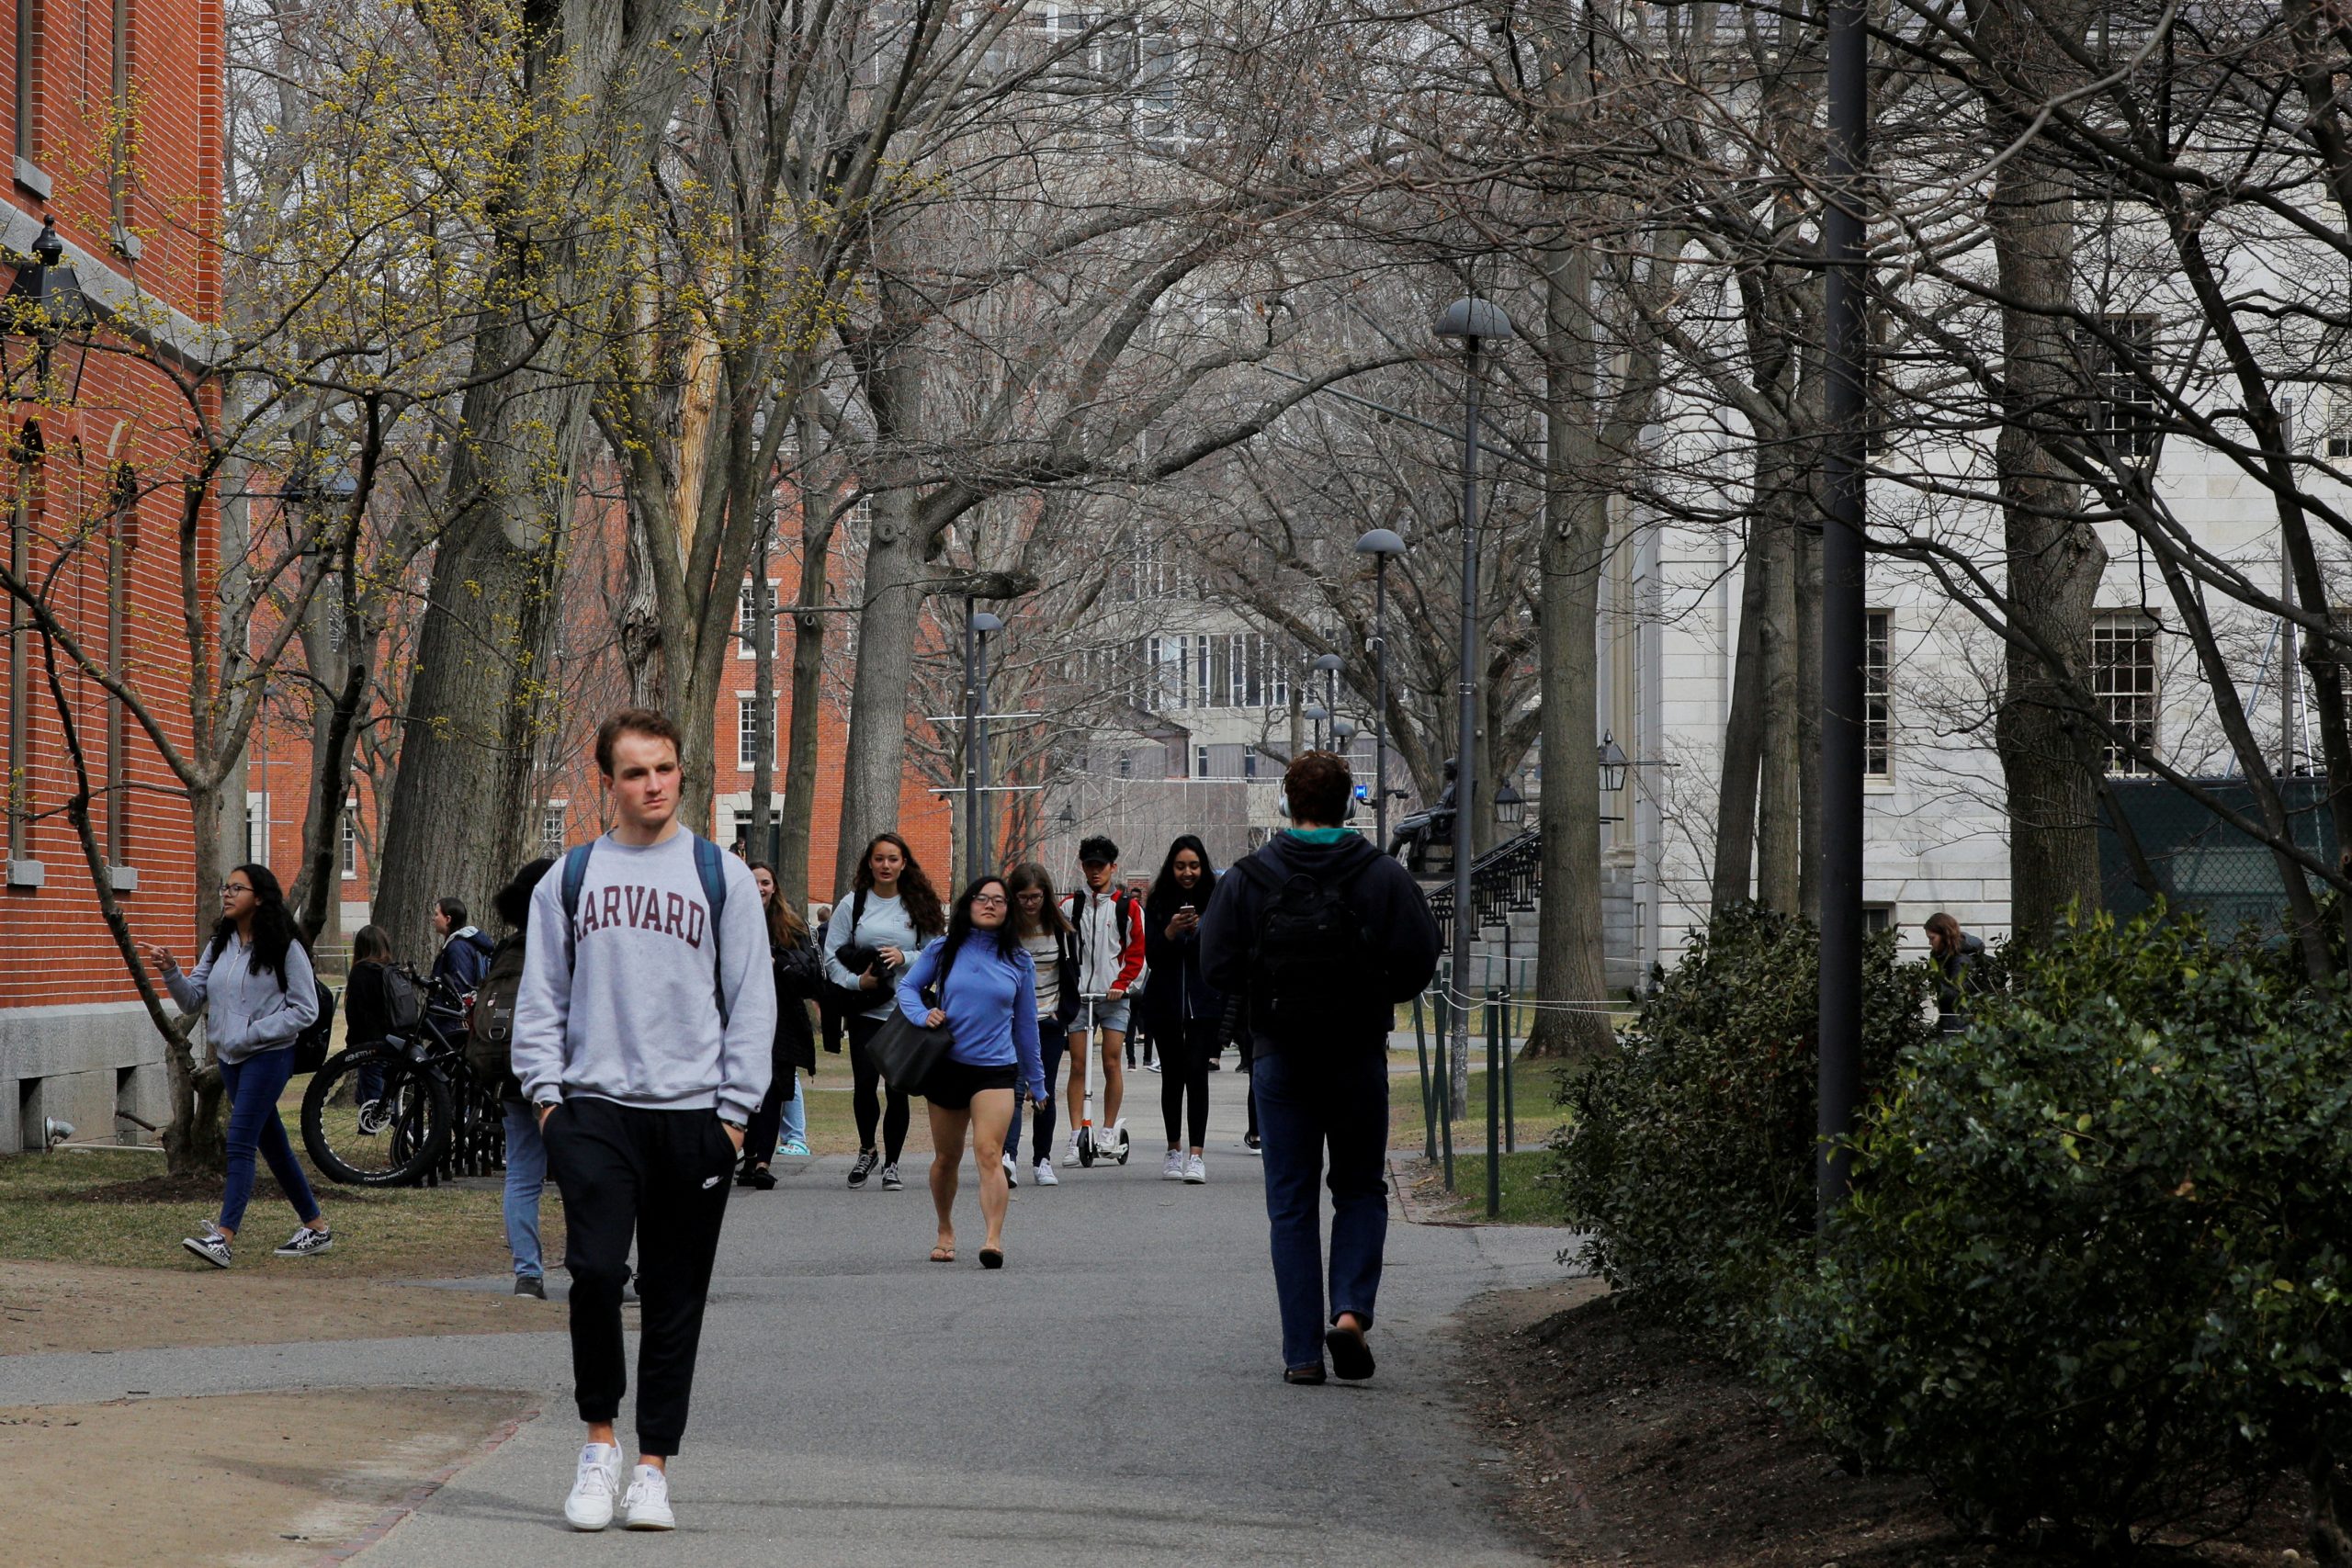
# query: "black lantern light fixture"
1614, 763
45, 303
1510, 806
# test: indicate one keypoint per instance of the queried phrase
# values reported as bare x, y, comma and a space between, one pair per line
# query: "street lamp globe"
1343, 730
984, 622
1471, 317
1614, 763
1381, 542
1510, 806
1315, 715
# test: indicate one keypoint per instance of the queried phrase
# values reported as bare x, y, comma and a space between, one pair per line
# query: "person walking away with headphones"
1326, 935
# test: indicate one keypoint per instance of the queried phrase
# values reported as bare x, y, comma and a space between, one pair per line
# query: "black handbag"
908, 1050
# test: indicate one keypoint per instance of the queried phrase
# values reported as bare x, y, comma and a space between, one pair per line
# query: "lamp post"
1383, 544
978, 623
1472, 320
1329, 664
1844, 618
1317, 716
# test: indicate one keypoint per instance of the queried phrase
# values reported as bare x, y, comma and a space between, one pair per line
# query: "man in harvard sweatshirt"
642, 1030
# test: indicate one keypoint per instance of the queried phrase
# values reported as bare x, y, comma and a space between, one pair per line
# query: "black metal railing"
1506, 878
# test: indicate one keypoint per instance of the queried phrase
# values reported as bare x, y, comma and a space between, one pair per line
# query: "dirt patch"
255, 1480
56, 1306
1628, 1449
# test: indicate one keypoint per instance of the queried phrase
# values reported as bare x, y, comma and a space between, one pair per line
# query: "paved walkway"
1112, 1396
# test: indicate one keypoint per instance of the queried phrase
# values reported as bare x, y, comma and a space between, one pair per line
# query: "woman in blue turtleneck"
986, 989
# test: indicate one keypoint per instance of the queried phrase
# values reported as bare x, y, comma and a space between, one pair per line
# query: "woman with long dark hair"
987, 999
258, 992
792, 953
1185, 1010
890, 910
1051, 941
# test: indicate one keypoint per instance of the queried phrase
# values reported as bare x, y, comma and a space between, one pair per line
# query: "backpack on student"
490, 1041
310, 1046
851, 1000
1308, 967
708, 866
403, 1003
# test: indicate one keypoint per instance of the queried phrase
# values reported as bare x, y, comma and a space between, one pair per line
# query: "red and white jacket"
1109, 938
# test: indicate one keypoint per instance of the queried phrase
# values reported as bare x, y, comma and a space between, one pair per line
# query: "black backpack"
1311, 970
310, 1046
490, 1042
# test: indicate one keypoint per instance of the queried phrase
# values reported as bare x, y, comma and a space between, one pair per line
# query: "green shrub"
1689, 1160
2091, 1282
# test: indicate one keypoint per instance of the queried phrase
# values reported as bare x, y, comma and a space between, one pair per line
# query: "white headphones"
1347, 813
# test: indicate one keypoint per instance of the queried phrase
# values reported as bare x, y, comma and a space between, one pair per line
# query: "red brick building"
94, 510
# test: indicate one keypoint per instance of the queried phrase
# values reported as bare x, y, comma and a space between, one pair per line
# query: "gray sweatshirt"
885, 925
245, 1010
628, 1013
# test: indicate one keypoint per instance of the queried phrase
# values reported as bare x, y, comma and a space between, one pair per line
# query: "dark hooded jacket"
1956, 983
1387, 901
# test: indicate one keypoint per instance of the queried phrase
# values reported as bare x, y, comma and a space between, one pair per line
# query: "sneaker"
1172, 1169
1011, 1171
1046, 1177
212, 1246
890, 1182
1196, 1170
1251, 1142
795, 1149
373, 1119
1152, 1067
866, 1160
647, 1506
760, 1178
590, 1507
531, 1285
305, 1243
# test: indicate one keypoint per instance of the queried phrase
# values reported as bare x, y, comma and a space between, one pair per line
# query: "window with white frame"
349, 860
747, 620
1878, 714
552, 825
2123, 399
2123, 681
747, 735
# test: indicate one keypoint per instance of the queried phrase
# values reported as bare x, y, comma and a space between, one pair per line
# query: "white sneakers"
1196, 1170
590, 1507
1172, 1169
1046, 1177
305, 1243
647, 1506
1011, 1171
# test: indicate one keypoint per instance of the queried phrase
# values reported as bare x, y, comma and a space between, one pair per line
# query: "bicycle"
414, 1112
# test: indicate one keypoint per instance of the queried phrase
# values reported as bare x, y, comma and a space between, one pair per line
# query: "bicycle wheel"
393, 1139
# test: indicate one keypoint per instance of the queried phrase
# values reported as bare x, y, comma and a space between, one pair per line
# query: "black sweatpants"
660, 1177
866, 1095
1185, 1053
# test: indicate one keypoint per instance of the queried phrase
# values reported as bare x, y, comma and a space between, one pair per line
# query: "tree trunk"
792, 869
1780, 804
1568, 963
890, 611
1743, 740
2049, 757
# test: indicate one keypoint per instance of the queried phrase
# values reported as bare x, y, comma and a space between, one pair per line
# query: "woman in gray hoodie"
257, 990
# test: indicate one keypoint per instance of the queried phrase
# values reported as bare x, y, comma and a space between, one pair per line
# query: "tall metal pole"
1466, 785
1843, 604
1379, 702
971, 753
984, 823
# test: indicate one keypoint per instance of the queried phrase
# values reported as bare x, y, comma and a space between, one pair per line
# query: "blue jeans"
1053, 1044
1306, 1102
526, 1177
796, 1115
253, 1086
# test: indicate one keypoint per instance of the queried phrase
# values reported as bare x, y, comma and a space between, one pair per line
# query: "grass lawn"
1535, 1088
119, 1207
1527, 1197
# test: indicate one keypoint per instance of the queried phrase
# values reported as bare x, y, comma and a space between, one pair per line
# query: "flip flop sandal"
990, 1258
942, 1255
1351, 1357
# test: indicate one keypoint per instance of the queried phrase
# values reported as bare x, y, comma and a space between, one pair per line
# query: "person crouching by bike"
799, 975
258, 992
1326, 935
490, 1051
